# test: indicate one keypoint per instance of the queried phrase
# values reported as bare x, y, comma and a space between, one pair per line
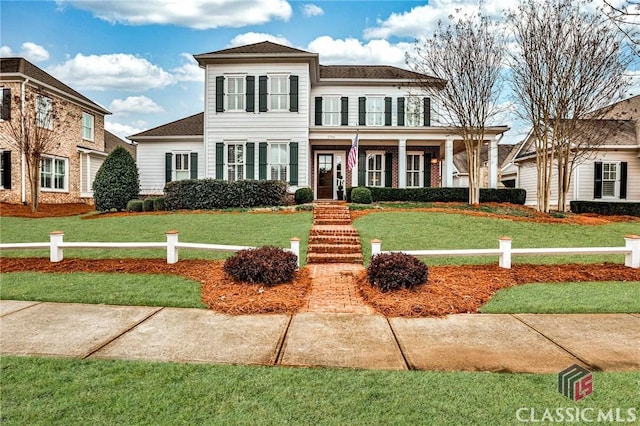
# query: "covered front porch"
387, 158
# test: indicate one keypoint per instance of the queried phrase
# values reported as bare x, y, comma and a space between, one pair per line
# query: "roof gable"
264, 47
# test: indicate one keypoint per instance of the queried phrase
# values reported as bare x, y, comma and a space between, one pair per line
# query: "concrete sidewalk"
472, 342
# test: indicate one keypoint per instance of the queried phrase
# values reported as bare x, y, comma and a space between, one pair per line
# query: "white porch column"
402, 163
354, 175
448, 163
493, 163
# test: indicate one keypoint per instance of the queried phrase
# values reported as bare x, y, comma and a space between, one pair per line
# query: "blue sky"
134, 57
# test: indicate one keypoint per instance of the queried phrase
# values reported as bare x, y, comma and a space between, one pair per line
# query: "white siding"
151, 162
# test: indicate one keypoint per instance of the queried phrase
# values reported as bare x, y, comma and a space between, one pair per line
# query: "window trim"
381, 171
370, 114
92, 128
66, 174
40, 121
228, 163
240, 95
420, 170
285, 95
174, 168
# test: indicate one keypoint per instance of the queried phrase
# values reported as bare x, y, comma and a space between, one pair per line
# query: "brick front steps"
332, 238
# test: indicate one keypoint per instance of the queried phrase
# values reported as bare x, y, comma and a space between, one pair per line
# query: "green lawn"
103, 288
49, 391
406, 230
245, 229
567, 298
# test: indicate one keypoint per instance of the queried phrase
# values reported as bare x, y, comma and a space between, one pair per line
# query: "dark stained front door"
325, 176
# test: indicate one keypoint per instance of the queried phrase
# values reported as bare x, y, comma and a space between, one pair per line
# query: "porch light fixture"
434, 160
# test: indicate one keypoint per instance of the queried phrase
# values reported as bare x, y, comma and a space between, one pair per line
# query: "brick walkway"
333, 289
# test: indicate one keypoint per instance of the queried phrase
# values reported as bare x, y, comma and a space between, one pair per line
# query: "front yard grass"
50, 391
567, 298
102, 288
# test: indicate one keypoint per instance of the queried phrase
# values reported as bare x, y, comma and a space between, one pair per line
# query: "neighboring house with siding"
506, 178
273, 112
610, 173
67, 170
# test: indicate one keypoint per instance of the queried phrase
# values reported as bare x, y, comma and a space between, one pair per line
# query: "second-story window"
87, 126
44, 112
235, 93
414, 114
331, 115
279, 92
375, 111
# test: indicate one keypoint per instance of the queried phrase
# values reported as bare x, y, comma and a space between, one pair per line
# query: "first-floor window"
414, 169
235, 162
53, 173
375, 169
181, 161
610, 179
279, 161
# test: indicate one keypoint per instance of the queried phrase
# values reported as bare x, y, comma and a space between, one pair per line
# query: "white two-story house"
273, 112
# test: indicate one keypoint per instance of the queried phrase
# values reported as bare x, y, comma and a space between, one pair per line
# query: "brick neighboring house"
68, 169
273, 112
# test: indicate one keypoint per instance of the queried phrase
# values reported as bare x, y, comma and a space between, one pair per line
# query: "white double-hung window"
182, 165
279, 92
375, 169
610, 179
415, 169
278, 161
44, 112
375, 111
235, 93
414, 115
235, 161
53, 174
87, 126
331, 113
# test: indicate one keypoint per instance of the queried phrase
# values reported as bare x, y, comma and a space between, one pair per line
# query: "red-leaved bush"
264, 265
391, 271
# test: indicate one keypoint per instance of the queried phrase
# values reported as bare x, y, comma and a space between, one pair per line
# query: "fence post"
295, 248
376, 246
172, 250
505, 256
55, 251
632, 260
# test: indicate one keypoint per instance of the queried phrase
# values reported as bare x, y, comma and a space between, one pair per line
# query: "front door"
325, 176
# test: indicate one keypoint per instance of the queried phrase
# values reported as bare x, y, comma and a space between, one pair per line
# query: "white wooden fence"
631, 251
56, 246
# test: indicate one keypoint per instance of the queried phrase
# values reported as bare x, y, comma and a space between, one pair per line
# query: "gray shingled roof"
188, 126
264, 47
112, 141
22, 66
385, 72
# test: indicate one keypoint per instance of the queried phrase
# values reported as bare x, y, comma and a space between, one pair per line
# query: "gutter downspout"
23, 171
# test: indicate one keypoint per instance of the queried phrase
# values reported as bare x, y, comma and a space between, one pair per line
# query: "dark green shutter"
219, 160
251, 93
344, 111
251, 161
427, 112
193, 157
318, 115
219, 94
387, 111
623, 180
362, 169
168, 164
6, 107
262, 161
388, 169
293, 93
401, 111
293, 163
362, 111
597, 180
6, 171
427, 170
262, 93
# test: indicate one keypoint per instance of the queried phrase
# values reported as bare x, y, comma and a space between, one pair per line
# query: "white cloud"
134, 104
198, 14
353, 51
116, 71
34, 52
6, 52
250, 38
121, 130
189, 71
309, 10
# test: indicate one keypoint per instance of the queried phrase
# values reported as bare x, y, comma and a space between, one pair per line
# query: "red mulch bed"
45, 210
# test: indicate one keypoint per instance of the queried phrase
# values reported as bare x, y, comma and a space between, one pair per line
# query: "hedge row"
608, 208
503, 195
207, 194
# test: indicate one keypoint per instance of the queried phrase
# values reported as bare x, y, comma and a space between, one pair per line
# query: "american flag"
353, 154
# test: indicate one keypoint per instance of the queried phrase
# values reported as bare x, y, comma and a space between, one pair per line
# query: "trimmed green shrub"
392, 271
135, 206
264, 265
116, 182
158, 204
446, 195
607, 208
303, 195
361, 195
208, 194
147, 204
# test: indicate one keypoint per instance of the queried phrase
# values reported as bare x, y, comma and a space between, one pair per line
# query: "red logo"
575, 382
